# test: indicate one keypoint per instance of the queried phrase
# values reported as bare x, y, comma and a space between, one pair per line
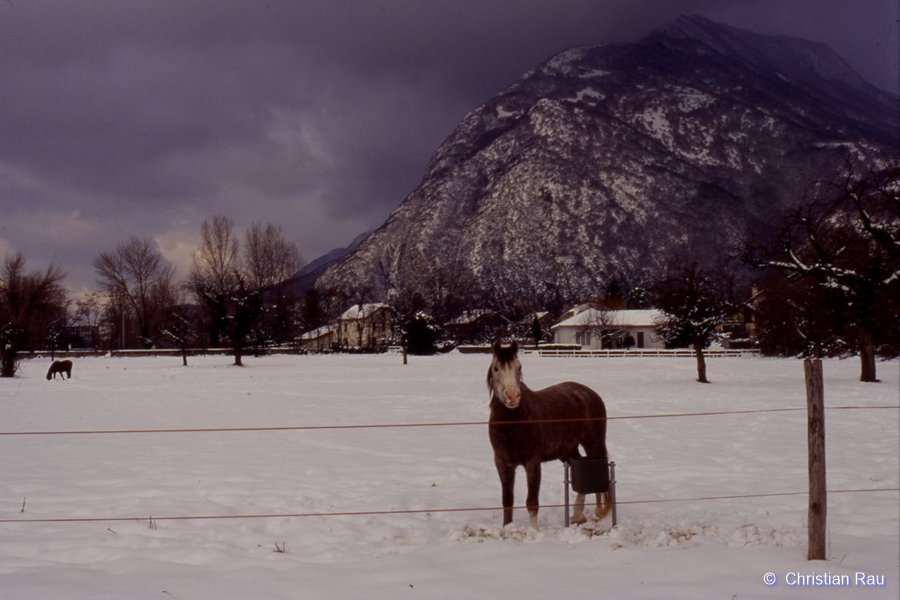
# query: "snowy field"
368, 512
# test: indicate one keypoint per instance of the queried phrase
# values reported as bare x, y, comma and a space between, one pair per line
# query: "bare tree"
215, 272
270, 258
89, 309
270, 261
180, 326
600, 324
25, 297
138, 276
696, 302
236, 288
88, 314
413, 326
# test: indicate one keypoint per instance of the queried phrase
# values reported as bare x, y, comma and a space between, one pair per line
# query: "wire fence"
334, 514
414, 511
412, 425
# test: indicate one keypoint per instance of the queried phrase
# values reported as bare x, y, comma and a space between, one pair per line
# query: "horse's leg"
604, 506
578, 514
507, 475
533, 473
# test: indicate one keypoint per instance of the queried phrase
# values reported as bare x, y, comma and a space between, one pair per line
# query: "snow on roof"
317, 333
537, 315
367, 310
471, 316
614, 318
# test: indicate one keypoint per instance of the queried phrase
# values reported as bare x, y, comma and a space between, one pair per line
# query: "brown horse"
60, 366
580, 419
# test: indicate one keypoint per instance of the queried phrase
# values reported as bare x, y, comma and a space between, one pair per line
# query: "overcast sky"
123, 118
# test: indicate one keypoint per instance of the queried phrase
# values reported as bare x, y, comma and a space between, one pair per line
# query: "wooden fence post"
818, 501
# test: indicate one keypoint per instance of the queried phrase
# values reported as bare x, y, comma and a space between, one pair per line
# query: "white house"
607, 329
364, 326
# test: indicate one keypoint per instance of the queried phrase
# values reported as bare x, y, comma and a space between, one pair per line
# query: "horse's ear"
495, 347
514, 347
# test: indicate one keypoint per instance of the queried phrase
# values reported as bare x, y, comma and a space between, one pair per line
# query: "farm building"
319, 340
365, 326
609, 329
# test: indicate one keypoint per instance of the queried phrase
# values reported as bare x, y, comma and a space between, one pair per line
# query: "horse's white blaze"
506, 383
506, 378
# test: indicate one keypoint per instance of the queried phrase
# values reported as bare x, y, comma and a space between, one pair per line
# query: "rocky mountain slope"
304, 279
609, 160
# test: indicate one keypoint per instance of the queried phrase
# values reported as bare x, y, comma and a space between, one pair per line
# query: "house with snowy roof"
365, 326
596, 329
320, 339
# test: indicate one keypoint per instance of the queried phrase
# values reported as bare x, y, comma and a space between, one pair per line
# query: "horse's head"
505, 374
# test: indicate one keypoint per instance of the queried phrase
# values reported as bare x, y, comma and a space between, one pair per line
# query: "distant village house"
366, 326
596, 329
321, 339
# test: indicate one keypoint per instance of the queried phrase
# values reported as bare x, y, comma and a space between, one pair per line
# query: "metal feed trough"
591, 476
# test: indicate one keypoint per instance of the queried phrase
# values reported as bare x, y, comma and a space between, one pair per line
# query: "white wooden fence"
644, 352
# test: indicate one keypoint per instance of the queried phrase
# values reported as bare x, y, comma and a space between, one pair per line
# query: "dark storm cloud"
131, 117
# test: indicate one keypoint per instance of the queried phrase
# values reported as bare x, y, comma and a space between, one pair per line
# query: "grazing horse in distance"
529, 427
61, 367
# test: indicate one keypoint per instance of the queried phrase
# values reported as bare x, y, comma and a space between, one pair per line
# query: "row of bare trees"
236, 288
235, 295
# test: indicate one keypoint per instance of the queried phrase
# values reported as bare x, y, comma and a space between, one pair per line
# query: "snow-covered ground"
329, 484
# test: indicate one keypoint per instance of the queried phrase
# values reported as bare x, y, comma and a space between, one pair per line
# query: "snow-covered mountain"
607, 160
304, 279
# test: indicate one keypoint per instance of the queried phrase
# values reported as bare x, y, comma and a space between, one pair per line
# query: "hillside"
607, 160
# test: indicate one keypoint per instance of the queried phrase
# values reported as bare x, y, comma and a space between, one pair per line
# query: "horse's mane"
506, 355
